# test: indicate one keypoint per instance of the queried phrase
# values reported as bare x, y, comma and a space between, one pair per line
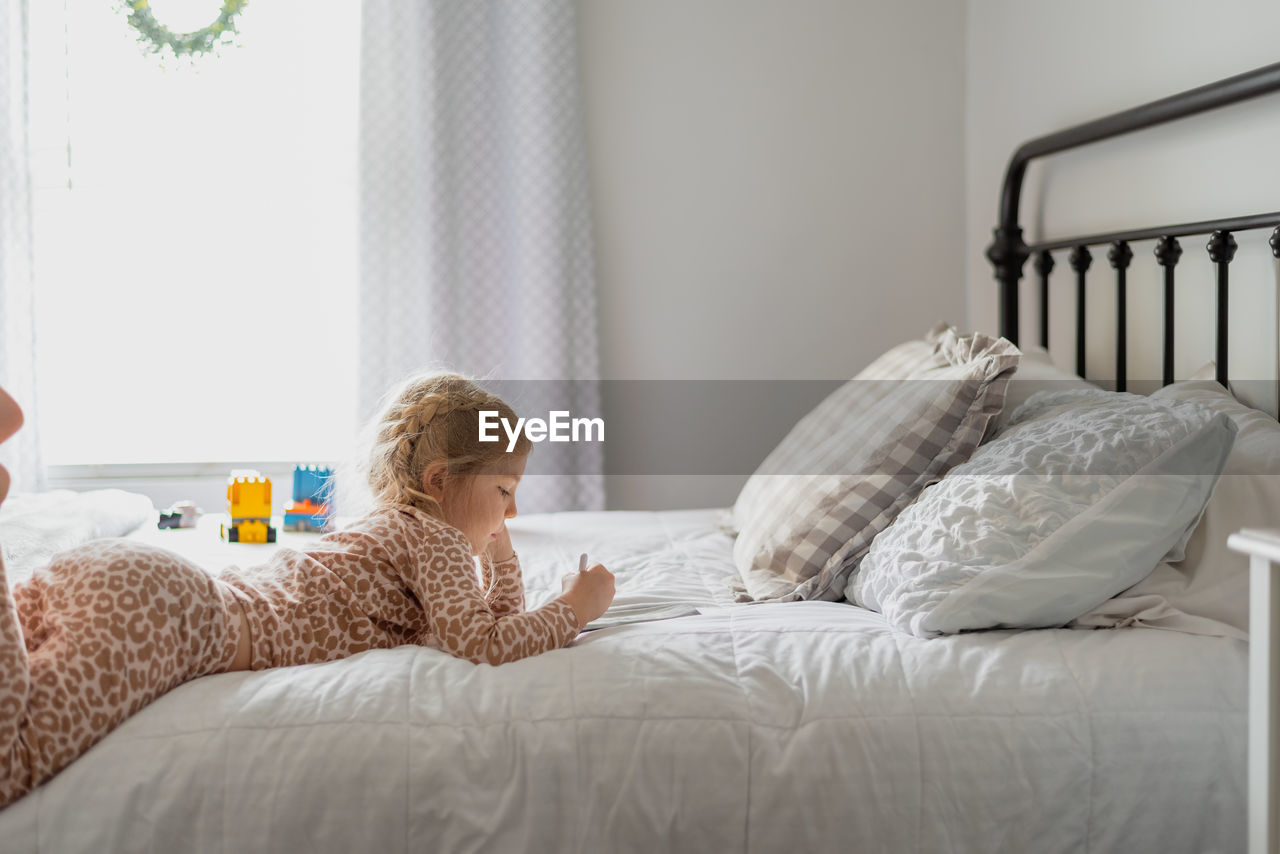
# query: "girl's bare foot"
10, 421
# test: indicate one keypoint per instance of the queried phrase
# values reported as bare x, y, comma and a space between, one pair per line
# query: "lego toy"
312, 506
184, 514
249, 506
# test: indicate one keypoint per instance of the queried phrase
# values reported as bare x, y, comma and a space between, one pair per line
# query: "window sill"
167, 483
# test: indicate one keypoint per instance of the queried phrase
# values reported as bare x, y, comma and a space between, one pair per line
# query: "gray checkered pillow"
845, 471
829, 417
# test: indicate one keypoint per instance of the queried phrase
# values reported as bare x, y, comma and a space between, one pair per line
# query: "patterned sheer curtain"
21, 454
475, 229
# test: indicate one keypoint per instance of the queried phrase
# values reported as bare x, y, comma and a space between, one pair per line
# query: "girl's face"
481, 504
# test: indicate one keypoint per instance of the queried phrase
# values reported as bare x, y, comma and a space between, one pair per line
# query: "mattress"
802, 726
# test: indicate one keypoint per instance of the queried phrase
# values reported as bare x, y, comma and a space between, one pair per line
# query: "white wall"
1037, 67
778, 194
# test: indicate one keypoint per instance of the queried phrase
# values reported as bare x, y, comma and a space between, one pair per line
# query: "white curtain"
475, 229
21, 454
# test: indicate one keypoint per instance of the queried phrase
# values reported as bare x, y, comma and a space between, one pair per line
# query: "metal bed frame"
1008, 252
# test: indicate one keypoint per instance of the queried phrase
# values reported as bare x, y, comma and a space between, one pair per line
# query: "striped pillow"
844, 472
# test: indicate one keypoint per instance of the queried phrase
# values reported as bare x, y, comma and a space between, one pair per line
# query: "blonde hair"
431, 418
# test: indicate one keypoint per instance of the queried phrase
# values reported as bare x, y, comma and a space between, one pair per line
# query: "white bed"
809, 726
776, 726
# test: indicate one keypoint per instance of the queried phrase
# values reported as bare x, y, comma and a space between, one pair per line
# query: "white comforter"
785, 727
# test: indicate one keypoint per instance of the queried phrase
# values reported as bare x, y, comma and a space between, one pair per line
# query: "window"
195, 235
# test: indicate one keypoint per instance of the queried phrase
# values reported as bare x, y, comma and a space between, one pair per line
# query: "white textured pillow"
1208, 592
1036, 372
1079, 498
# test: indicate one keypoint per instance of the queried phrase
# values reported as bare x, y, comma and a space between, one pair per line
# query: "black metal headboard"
1008, 252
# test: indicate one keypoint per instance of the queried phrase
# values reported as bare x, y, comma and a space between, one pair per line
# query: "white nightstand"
1263, 548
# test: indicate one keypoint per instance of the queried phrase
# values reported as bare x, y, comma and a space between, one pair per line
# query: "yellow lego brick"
253, 531
249, 531
249, 494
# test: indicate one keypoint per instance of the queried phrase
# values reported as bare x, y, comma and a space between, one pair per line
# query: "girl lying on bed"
108, 627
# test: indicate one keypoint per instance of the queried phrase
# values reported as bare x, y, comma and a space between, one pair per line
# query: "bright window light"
195, 235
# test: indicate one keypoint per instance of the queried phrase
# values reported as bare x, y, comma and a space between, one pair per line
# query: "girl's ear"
434, 478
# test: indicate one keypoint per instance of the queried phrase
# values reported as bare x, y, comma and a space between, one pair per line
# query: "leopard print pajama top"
397, 576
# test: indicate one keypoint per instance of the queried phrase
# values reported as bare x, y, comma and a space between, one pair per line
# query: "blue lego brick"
313, 483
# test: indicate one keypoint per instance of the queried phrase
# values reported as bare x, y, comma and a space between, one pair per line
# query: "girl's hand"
500, 549
589, 593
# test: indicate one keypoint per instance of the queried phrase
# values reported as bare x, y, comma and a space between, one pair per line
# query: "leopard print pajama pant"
89, 640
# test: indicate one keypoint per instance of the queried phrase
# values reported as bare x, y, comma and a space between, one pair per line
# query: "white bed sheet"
774, 727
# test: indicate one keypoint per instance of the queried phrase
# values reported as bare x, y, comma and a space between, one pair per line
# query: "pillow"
829, 417
1079, 498
1208, 591
1036, 372
844, 472
34, 526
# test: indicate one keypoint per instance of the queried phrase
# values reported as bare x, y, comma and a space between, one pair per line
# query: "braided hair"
431, 418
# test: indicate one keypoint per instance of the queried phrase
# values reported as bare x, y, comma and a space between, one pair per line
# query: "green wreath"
156, 36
